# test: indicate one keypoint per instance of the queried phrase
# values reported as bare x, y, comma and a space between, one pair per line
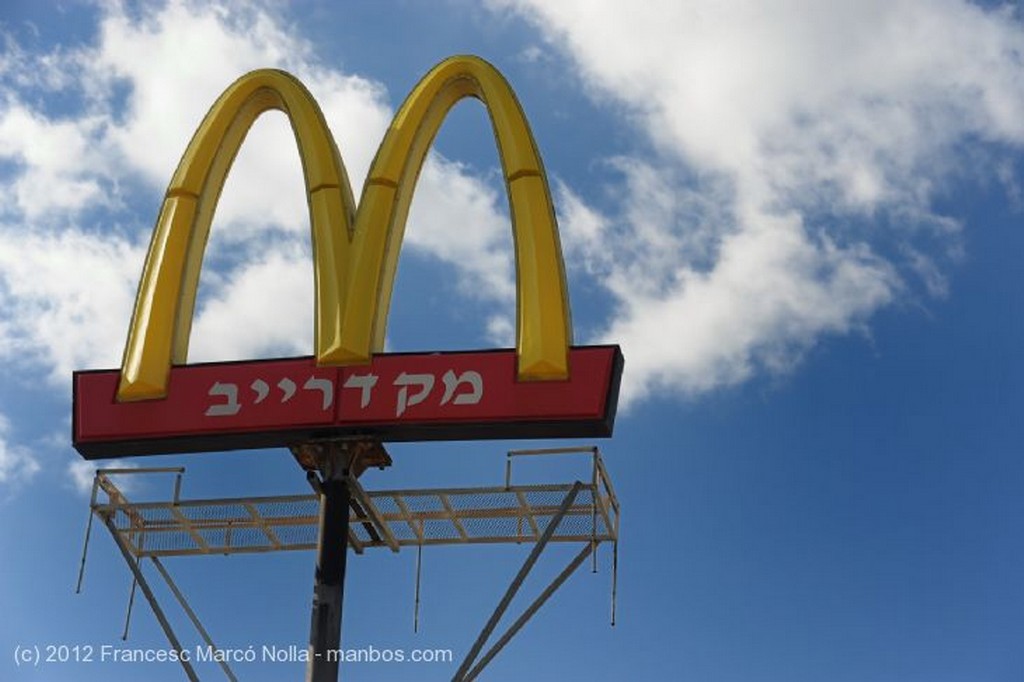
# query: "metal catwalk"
583, 512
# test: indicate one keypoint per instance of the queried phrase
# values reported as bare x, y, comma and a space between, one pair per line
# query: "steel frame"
578, 512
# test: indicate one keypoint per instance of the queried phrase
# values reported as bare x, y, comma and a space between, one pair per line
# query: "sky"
802, 222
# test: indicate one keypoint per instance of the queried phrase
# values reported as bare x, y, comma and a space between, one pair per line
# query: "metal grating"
586, 513
381, 518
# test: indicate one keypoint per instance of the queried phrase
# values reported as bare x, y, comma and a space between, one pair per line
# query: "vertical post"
332, 550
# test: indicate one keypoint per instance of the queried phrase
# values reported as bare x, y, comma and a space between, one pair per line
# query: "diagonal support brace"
528, 613
136, 569
464, 674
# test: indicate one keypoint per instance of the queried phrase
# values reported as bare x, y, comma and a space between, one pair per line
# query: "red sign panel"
397, 397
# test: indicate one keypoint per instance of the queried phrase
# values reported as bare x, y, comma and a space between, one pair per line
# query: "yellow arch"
543, 320
355, 253
162, 319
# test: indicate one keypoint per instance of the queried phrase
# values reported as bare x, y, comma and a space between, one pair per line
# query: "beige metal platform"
380, 518
582, 512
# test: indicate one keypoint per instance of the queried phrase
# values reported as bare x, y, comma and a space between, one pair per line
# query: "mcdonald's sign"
545, 387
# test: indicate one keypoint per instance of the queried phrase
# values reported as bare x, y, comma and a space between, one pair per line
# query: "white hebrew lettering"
262, 390
466, 388
364, 382
287, 387
325, 386
424, 381
226, 409
452, 383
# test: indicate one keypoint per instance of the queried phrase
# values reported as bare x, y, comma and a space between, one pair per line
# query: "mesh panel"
297, 535
402, 531
516, 514
440, 530
385, 503
303, 507
498, 527
423, 503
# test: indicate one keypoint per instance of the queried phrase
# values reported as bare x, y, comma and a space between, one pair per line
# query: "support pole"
615, 574
419, 561
88, 533
128, 611
131, 596
332, 550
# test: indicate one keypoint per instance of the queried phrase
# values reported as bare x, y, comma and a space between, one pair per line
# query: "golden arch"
355, 252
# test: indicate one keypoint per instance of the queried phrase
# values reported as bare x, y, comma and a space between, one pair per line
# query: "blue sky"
801, 221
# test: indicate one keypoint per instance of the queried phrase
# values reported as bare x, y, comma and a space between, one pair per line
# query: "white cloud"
455, 218
61, 171
81, 473
770, 294
264, 309
17, 465
65, 297
694, 318
819, 135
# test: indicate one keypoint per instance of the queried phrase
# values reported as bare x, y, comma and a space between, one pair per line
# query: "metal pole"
85, 549
615, 575
419, 561
131, 597
594, 494
329, 580
88, 532
128, 611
